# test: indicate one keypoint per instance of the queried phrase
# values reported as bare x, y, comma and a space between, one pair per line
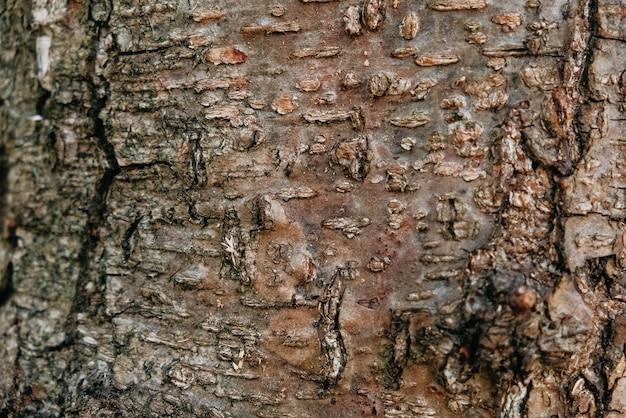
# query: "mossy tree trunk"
313, 208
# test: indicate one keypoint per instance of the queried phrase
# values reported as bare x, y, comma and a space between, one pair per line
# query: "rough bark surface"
313, 208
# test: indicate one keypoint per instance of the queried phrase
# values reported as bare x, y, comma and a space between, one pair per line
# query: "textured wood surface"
313, 208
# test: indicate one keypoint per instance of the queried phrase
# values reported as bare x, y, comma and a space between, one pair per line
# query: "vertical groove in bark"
8, 230
96, 208
331, 341
91, 377
401, 346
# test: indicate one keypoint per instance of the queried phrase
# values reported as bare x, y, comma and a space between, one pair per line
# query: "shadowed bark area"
313, 208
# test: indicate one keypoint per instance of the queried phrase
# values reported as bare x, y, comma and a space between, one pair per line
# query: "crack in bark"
143, 166
126, 245
401, 346
96, 212
331, 340
98, 204
6, 279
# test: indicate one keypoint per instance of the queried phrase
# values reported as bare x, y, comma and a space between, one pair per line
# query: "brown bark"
313, 208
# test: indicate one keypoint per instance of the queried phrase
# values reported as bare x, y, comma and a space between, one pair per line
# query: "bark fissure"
6, 266
401, 346
88, 303
331, 340
97, 207
6, 291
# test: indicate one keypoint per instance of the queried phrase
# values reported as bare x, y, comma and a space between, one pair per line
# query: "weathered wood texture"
313, 208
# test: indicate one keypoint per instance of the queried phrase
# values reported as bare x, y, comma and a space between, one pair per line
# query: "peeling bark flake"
226, 55
451, 5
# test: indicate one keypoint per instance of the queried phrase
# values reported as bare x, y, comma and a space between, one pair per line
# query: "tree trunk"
313, 208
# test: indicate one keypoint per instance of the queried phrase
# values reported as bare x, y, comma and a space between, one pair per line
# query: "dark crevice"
584, 88
107, 149
42, 102
13, 238
192, 211
97, 206
596, 381
4, 183
594, 27
602, 362
610, 39
92, 304
143, 166
145, 51
470, 337
126, 245
97, 213
6, 281
52, 144
6, 285
453, 215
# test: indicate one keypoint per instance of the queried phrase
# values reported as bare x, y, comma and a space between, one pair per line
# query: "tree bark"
313, 208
